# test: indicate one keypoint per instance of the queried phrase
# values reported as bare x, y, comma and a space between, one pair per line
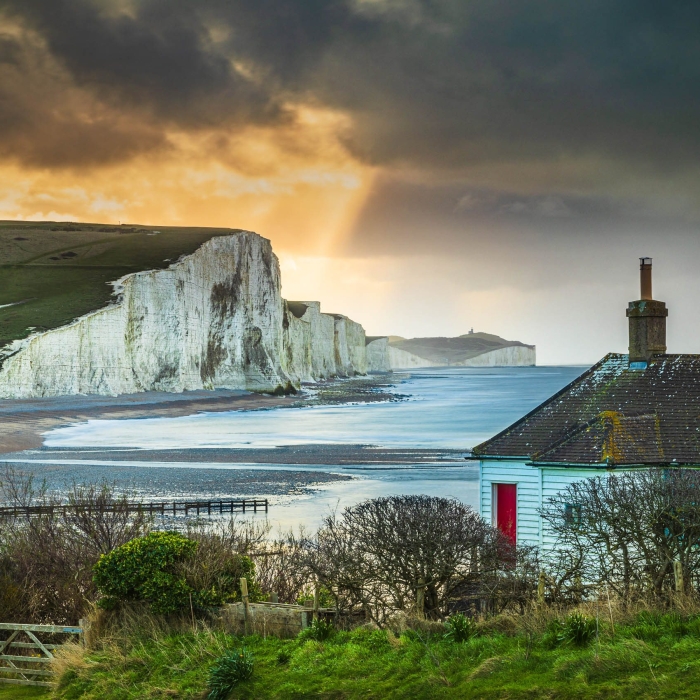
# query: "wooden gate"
24, 658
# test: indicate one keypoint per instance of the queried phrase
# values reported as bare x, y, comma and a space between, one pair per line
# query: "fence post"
540, 588
274, 598
244, 597
85, 635
678, 575
317, 601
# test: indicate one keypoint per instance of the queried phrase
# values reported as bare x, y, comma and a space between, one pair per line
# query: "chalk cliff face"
213, 319
216, 319
514, 356
383, 357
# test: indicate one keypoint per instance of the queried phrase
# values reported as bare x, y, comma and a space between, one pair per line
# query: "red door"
506, 496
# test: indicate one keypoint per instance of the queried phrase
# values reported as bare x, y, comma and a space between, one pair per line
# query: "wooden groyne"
240, 505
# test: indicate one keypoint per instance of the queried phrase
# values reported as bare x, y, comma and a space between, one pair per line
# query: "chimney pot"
647, 321
645, 277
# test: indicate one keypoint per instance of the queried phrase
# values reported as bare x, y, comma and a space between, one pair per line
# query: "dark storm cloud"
416, 219
155, 54
45, 122
435, 84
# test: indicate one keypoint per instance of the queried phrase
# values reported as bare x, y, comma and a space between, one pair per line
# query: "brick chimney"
647, 320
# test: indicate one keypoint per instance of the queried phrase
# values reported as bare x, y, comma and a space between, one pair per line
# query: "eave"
610, 466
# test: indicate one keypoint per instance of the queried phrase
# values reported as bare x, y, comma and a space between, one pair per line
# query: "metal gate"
24, 658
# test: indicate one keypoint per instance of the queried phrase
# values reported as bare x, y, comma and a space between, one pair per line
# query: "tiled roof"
613, 415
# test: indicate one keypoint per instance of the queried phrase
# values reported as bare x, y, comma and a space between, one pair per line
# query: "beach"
334, 444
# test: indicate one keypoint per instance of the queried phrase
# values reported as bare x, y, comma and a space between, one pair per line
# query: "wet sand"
24, 421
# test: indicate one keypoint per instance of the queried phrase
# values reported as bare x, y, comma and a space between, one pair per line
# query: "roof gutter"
499, 458
611, 465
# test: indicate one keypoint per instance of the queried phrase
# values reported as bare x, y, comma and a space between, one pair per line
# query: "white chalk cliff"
214, 319
382, 356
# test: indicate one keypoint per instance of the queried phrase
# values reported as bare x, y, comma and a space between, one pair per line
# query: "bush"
230, 669
144, 569
460, 628
552, 634
168, 571
578, 630
46, 561
283, 657
319, 630
390, 554
647, 517
325, 597
653, 626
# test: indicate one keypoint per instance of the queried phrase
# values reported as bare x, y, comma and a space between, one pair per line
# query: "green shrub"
374, 639
552, 634
229, 670
578, 630
652, 626
319, 630
283, 657
460, 628
171, 573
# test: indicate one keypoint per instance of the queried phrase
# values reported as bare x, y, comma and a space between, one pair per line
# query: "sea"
433, 419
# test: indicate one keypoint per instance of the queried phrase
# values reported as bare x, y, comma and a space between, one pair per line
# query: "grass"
655, 656
59, 271
18, 692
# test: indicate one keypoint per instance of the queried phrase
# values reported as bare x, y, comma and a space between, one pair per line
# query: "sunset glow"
424, 168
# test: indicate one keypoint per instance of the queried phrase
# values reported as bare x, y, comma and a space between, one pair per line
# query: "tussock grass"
649, 654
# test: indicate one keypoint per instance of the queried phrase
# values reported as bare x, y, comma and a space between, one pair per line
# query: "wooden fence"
28, 662
240, 505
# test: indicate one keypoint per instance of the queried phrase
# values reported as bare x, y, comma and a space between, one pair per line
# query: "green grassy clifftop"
53, 272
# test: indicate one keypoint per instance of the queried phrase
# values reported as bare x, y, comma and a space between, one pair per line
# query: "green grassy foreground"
53, 272
18, 692
657, 657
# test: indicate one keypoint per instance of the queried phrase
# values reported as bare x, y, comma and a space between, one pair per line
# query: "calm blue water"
447, 408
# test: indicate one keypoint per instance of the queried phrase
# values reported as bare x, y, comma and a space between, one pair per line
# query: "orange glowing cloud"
294, 184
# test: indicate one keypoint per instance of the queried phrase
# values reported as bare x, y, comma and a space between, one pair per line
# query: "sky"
423, 166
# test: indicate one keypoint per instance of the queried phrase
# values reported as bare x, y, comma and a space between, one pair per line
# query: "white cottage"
626, 412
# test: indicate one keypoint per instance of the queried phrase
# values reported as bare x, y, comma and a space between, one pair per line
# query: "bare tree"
625, 531
405, 553
46, 560
281, 566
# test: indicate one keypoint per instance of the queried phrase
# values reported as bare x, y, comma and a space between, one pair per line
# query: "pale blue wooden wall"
535, 484
529, 495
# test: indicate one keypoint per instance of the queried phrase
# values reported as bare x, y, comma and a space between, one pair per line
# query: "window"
572, 514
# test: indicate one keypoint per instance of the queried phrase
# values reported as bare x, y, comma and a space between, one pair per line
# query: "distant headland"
387, 353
